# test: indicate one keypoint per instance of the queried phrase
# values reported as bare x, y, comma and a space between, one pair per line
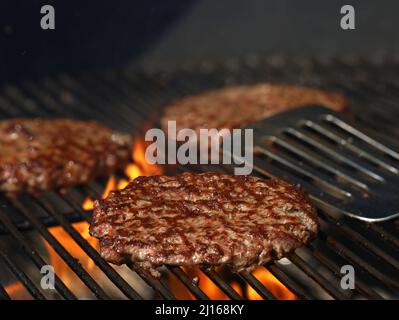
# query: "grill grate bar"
3, 294
133, 92
94, 102
138, 93
45, 98
95, 256
60, 250
257, 285
156, 284
223, 285
10, 109
28, 284
33, 255
145, 94
320, 251
362, 96
356, 259
72, 104
15, 97
313, 274
75, 105
352, 230
6, 108
289, 282
391, 236
112, 98
194, 289
75, 205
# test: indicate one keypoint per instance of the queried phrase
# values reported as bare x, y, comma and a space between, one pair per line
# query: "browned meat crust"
207, 219
39, 154
236, 107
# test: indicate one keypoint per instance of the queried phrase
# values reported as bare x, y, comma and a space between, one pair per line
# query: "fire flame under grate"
53, 228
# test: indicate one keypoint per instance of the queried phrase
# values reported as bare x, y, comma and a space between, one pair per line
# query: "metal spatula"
336, 162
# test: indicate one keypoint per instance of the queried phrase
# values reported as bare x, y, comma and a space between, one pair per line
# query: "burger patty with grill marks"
239, 106
205, 219
42, 154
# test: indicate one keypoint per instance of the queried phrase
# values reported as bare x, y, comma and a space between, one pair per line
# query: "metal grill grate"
313, 272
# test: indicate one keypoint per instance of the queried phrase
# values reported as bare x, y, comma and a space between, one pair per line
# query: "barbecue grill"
313, 272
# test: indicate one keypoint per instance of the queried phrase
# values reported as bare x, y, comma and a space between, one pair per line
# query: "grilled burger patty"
236, 107
39, 154
206, 218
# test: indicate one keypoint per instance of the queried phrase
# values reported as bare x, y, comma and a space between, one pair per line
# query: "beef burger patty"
237, 107
206, 219
41, 154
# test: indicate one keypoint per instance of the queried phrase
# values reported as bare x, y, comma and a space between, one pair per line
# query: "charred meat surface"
236, 107
204, 218
42, 154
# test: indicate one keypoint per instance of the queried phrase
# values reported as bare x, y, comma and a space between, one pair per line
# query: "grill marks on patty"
42, 154
207, 218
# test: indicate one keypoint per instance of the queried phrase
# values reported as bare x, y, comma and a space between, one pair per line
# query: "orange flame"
204, 283
236, 286
111, 185
210, 288
17, 290
122, 184
213, 291
145, 168
88, 204
60, 267
271, 283
132, 171
139, 167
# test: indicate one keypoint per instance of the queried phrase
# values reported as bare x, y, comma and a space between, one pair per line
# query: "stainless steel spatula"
336, 162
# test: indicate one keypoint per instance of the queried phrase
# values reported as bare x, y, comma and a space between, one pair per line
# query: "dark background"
97, 34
